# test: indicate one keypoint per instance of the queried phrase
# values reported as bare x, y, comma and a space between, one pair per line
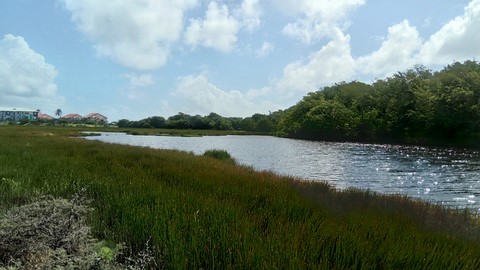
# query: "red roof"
44, 116
96, 116
72, 116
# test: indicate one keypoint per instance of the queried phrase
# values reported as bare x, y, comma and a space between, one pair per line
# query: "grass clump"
219, 154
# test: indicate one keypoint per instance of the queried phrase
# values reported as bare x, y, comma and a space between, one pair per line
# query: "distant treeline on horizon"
415, 106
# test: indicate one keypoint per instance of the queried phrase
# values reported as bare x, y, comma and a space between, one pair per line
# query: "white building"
17, 114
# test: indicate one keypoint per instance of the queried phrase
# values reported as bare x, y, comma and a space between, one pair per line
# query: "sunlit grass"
200, 212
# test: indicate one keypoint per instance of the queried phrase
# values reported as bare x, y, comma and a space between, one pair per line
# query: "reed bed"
201, 212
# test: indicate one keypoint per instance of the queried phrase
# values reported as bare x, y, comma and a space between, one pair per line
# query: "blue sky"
138, 58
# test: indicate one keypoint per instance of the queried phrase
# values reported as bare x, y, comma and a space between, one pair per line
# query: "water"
446, 176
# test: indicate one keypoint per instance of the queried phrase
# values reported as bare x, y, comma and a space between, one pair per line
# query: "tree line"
415, 106
257, 123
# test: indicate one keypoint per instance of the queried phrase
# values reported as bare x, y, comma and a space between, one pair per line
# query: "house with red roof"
73, 117
45, 116
96, 117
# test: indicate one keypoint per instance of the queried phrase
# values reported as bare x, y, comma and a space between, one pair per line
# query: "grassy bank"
180, 132
200, 212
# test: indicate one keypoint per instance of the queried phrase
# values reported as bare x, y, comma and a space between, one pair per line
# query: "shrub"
45, 231
51, 233
219, 154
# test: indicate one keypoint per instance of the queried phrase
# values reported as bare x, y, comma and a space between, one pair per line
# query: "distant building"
45, 116
96, 117
17, 114
73, 117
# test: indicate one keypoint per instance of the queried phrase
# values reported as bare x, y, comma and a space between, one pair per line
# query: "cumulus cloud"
218, 30
306, 30
315, 18
403, 48
136, 34
249, 14
202, 97
457, 40
332, 63
397, 52
26, 79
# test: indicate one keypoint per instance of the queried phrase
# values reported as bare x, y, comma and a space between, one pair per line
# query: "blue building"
17, 114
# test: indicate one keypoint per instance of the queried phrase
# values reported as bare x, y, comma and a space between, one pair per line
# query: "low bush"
51, 233
219, 154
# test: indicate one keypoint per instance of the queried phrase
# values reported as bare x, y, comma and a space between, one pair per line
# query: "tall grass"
199, 212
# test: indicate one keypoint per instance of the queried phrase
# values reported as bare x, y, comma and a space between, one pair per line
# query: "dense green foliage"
416, 106
257, 122
199, 212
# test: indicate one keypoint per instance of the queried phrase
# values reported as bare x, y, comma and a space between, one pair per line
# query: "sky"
132, 59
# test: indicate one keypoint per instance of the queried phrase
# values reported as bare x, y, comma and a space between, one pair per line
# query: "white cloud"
317, 17
136, 82
326, 10
265, 50
307, 31
218, 30
250, 13
136, 34
26, 79
202, 97
332, 63
139, 81
457, 40
397, 53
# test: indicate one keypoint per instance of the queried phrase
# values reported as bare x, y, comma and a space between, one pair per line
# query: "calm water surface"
447, 176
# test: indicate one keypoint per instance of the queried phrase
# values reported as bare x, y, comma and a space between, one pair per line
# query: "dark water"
446, 176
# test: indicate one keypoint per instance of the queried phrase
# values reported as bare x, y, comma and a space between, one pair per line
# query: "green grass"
200, 212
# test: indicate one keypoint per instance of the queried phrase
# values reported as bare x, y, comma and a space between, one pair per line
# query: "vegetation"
259, 123
200, 212
51, 233
416, 106
219, 154
58, 113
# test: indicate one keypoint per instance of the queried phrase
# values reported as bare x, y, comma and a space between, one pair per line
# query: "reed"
200, 212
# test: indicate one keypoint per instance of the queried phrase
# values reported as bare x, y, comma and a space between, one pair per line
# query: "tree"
123, 123
180, 121
157, 122
58, 113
